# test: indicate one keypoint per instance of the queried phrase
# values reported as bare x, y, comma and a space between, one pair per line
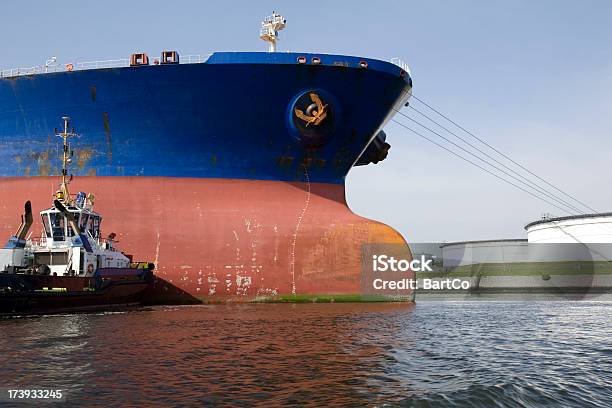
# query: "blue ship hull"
226, 118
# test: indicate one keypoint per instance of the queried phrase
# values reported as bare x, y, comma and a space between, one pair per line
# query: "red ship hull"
217, 240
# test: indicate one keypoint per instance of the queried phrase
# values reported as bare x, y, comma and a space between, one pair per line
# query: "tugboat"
71, 268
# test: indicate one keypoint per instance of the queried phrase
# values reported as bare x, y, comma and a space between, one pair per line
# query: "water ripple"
454, 354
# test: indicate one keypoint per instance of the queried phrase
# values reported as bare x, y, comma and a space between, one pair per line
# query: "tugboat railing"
69, 263
89, 65
38, 241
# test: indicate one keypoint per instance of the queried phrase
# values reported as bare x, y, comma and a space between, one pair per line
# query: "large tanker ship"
227, 171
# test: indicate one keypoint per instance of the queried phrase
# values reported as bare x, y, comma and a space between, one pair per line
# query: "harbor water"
465, 353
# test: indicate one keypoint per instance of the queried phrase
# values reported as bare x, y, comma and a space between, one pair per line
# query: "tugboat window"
84, 220
59, 258
42, 258
70, 231
58, 226
95, 229
51, 258
46, 225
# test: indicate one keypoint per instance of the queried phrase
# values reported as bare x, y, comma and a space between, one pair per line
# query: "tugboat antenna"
63, 194
270, 27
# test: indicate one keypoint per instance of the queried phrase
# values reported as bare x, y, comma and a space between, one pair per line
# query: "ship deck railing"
89, 65
402, 64
120, 63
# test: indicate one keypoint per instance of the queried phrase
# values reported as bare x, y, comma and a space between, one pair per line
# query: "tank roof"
484, 241
568, 217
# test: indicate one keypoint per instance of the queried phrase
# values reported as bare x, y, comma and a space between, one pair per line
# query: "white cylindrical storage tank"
455, 254
588, 229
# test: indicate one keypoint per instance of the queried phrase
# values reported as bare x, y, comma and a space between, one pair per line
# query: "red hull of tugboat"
216, 240
76, 295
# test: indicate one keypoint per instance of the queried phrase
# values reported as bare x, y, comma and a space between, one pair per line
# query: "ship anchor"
315, 113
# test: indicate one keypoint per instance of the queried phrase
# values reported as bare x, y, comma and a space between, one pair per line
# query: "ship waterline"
226, 239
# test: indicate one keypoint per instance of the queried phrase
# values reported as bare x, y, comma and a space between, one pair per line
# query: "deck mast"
270, 27
63, 194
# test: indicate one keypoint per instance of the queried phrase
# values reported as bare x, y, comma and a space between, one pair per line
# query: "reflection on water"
465, 353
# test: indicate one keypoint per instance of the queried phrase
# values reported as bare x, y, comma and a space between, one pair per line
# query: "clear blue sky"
532, 78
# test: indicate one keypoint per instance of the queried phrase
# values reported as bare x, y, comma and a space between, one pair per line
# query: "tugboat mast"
63, 194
